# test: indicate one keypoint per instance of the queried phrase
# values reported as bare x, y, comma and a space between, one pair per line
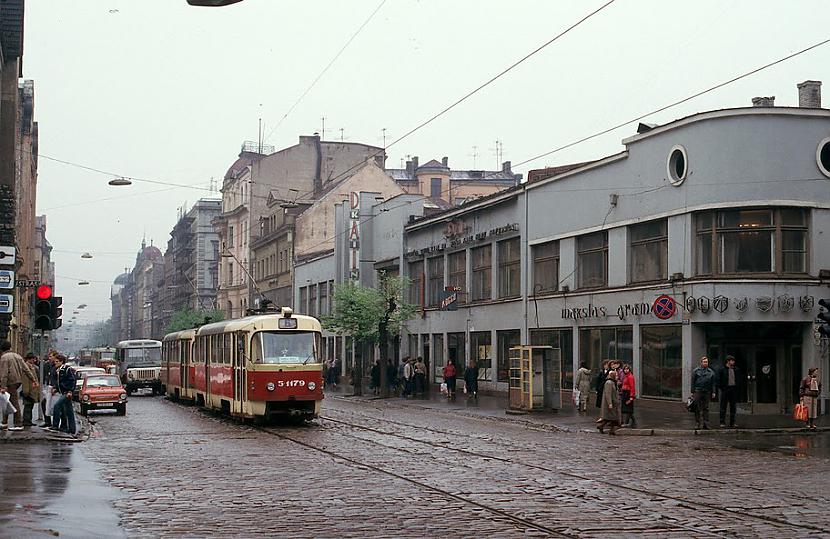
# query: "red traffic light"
44, 291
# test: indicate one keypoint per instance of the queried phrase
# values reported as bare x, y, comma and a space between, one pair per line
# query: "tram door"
184, 359
239, 358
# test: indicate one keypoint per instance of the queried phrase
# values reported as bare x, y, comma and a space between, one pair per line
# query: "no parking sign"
664, 307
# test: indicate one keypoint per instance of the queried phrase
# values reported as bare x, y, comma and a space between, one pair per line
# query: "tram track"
732, 512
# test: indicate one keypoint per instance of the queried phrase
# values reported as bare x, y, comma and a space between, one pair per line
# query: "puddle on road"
796, 445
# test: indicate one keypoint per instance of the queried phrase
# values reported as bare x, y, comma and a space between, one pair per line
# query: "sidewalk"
654, 417
37, 434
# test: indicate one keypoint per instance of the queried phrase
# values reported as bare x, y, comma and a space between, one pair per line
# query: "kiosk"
535, 378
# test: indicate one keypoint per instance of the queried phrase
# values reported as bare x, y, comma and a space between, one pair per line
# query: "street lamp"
83, 283
86, 255
119, 181
212, 3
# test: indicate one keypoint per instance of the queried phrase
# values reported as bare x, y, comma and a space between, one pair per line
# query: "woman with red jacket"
449, 378
627, 393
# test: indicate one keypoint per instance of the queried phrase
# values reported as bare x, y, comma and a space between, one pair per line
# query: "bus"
138, 364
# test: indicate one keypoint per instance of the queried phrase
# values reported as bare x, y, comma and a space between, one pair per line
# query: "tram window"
282, 347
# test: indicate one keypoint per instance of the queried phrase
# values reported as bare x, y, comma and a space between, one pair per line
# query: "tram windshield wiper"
311, 355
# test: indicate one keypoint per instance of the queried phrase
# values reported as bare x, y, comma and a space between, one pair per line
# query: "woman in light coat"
583, 385
810, 390
610, 412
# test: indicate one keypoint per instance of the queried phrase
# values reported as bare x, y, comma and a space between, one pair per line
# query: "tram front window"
281, 347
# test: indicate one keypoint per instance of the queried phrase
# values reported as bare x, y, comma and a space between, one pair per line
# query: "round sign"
44, 291
664, 307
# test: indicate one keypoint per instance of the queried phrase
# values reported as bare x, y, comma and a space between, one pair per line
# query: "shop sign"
781, 304
579, 313
354, 236
454, 232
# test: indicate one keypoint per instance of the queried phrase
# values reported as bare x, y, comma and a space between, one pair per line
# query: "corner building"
721, 216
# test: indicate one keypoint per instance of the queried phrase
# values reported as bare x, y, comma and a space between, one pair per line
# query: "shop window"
563, 340
482, 273
438, 355
416, 285
648, 251
546, 268
481, 350
759, 240
436, 280
302, 308
509, 268
507, 340
599, 344
457, 350
457, 272
592, 260
662, 361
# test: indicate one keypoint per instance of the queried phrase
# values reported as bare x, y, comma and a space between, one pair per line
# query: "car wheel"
121, 409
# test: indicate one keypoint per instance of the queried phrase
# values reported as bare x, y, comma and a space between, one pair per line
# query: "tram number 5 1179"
290, 383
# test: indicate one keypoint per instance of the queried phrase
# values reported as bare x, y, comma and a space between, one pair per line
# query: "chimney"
763, 101
505, 167
445, 160
409, 170
809, 94
414, 163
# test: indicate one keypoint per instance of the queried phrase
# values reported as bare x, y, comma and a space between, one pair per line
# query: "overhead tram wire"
325, 69
311, 248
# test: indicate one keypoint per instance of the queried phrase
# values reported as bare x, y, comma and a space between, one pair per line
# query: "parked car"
103, 392
80, 374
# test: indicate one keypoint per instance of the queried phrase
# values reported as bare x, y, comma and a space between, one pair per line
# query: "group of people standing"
616, 390
19, 380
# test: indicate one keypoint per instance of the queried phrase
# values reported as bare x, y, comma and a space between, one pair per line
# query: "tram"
264, 365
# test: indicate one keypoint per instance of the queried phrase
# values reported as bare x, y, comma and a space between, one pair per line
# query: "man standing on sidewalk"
728, 379
11, 377
63, 416
703, 389
30, 389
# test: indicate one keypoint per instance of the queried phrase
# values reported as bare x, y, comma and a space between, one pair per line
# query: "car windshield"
142, 357
103, 381
284, 347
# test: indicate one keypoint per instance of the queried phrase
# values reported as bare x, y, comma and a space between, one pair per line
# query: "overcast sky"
160, 90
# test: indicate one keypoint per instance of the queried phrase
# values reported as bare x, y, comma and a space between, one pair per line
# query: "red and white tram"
260, 366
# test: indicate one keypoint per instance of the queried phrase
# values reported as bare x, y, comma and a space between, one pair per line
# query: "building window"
230, 236
312, 300
598, 344
546, 268
435, 187
482, 271
592, 260
509, 268
507, 340
302, 308
331, 296
436, 280
662, 360
481, 351
648, 251
416, 286
563, 340
324, 299
760, 240
229, 276
457, 272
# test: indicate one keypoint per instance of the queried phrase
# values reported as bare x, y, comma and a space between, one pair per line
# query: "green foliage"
188, 318
361, 312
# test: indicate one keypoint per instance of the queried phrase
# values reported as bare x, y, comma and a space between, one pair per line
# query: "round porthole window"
823, 156
678, 165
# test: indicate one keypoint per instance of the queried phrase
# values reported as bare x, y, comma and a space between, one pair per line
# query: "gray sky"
160, 90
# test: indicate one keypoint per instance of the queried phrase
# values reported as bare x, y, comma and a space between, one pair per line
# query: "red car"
103, 392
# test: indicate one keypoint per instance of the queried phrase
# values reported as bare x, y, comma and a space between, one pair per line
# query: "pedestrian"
471, 380
420, 376
335, 372
599, 382
63, 414
11, 378
610, 413
616, 365
703, 389
449, 378
48, 383
408, 376
30, 391
729, 377
374, 377
391, 378
809, 391
583, 385
627, 395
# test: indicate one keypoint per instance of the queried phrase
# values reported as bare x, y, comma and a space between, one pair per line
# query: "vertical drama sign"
354, 236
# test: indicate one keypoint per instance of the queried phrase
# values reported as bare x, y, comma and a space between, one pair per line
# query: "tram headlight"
312, 386
270, 386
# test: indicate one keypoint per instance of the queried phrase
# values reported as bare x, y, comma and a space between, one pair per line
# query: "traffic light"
824, 318
56, 311
43, 308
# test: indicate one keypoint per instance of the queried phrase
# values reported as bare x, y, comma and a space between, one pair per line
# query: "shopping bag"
444, 387
576, 395
691, 405
800, 413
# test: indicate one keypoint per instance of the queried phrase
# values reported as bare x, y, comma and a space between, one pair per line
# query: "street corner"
36, 434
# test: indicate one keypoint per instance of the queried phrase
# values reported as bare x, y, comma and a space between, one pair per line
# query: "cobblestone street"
383, 469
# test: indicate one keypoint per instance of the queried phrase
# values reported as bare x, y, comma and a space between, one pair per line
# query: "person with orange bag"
810, 390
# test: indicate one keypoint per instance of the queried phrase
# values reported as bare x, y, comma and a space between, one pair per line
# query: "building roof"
124, 278
244, 160
494, 176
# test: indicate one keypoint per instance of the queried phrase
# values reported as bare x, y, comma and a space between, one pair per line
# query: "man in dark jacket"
703, 389
729, 378
63, 416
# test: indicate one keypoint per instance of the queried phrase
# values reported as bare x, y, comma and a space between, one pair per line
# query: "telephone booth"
535, 378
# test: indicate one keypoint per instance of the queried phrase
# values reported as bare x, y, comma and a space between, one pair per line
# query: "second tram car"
260, 366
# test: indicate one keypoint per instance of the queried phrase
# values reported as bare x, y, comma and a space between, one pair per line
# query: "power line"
323, 72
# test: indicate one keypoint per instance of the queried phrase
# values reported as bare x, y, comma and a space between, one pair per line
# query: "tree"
370, 315
188, 318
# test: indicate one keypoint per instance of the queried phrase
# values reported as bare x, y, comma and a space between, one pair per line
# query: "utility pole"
323, 130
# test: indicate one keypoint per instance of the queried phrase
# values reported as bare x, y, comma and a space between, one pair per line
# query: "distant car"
80, 374
103, 392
